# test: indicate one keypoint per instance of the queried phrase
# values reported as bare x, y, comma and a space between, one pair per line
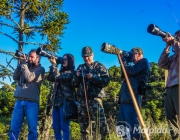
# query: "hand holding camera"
52, 60
169, 39
89, 76
84, 73
22, 57
77, 73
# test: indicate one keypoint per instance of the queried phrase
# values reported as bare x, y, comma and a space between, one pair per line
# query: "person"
91, 77
138, 75
62, 90
29, 76
171, 63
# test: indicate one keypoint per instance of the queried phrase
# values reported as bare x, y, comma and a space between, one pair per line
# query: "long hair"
71, 65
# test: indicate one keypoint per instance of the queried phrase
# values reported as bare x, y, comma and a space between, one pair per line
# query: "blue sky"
122, 23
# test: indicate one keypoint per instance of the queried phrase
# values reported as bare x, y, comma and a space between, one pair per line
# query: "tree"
29, 18
152, 103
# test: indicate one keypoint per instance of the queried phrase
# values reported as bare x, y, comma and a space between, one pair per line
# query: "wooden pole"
134, 100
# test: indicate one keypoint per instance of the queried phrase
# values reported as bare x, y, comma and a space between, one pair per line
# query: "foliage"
115, 74
27, 18
75, 131
157, 73
152, 104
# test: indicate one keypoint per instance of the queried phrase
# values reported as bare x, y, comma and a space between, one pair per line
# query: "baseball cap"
137, 50
86, 51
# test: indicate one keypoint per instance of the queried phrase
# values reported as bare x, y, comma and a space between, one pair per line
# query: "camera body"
42, 52
142, 89
83, 72
127, 57
20, 54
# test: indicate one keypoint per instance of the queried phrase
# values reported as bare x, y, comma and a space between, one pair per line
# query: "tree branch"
2, 23
9, 37
8, 53
34, 43
6, 85
34, 27
15, 23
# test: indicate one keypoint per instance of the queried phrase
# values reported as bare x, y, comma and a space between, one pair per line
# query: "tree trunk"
46, 121
21, 30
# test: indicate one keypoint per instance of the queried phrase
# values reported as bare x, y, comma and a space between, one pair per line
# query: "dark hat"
177, 32
137, 50
86, 51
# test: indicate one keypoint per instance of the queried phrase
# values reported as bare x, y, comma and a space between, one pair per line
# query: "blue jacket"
138, 74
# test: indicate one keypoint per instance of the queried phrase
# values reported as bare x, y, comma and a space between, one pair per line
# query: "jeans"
23, 109
61, 125
128, 119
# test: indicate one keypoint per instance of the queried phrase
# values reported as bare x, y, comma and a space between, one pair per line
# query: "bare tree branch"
33, 43
9, 37
8, 53
2, 23
8, 64
15, 23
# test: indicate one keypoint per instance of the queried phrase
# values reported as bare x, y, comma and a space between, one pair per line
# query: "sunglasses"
65, 59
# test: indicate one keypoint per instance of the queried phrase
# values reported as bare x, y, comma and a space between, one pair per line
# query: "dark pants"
171, 109
97, 124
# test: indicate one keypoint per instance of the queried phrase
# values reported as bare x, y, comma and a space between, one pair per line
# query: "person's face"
178, 34
88, 59
65, 61
33, 58
136, 57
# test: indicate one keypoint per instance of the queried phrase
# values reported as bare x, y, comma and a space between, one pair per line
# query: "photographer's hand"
169, 39
22, 59
77, 73
52, 60
89, 76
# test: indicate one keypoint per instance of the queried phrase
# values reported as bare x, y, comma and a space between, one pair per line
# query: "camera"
83, 72
142, 89
127, 56
42, 52
108, 48
20, 54
155, 30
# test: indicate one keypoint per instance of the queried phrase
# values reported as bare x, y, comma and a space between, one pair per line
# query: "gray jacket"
171, 63
29, 82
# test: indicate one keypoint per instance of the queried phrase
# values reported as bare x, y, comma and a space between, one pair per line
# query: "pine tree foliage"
29, 18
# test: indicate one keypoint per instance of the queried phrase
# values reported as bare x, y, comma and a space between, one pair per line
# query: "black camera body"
20, 54
142, 89
83, 72
127, 57
42, 52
